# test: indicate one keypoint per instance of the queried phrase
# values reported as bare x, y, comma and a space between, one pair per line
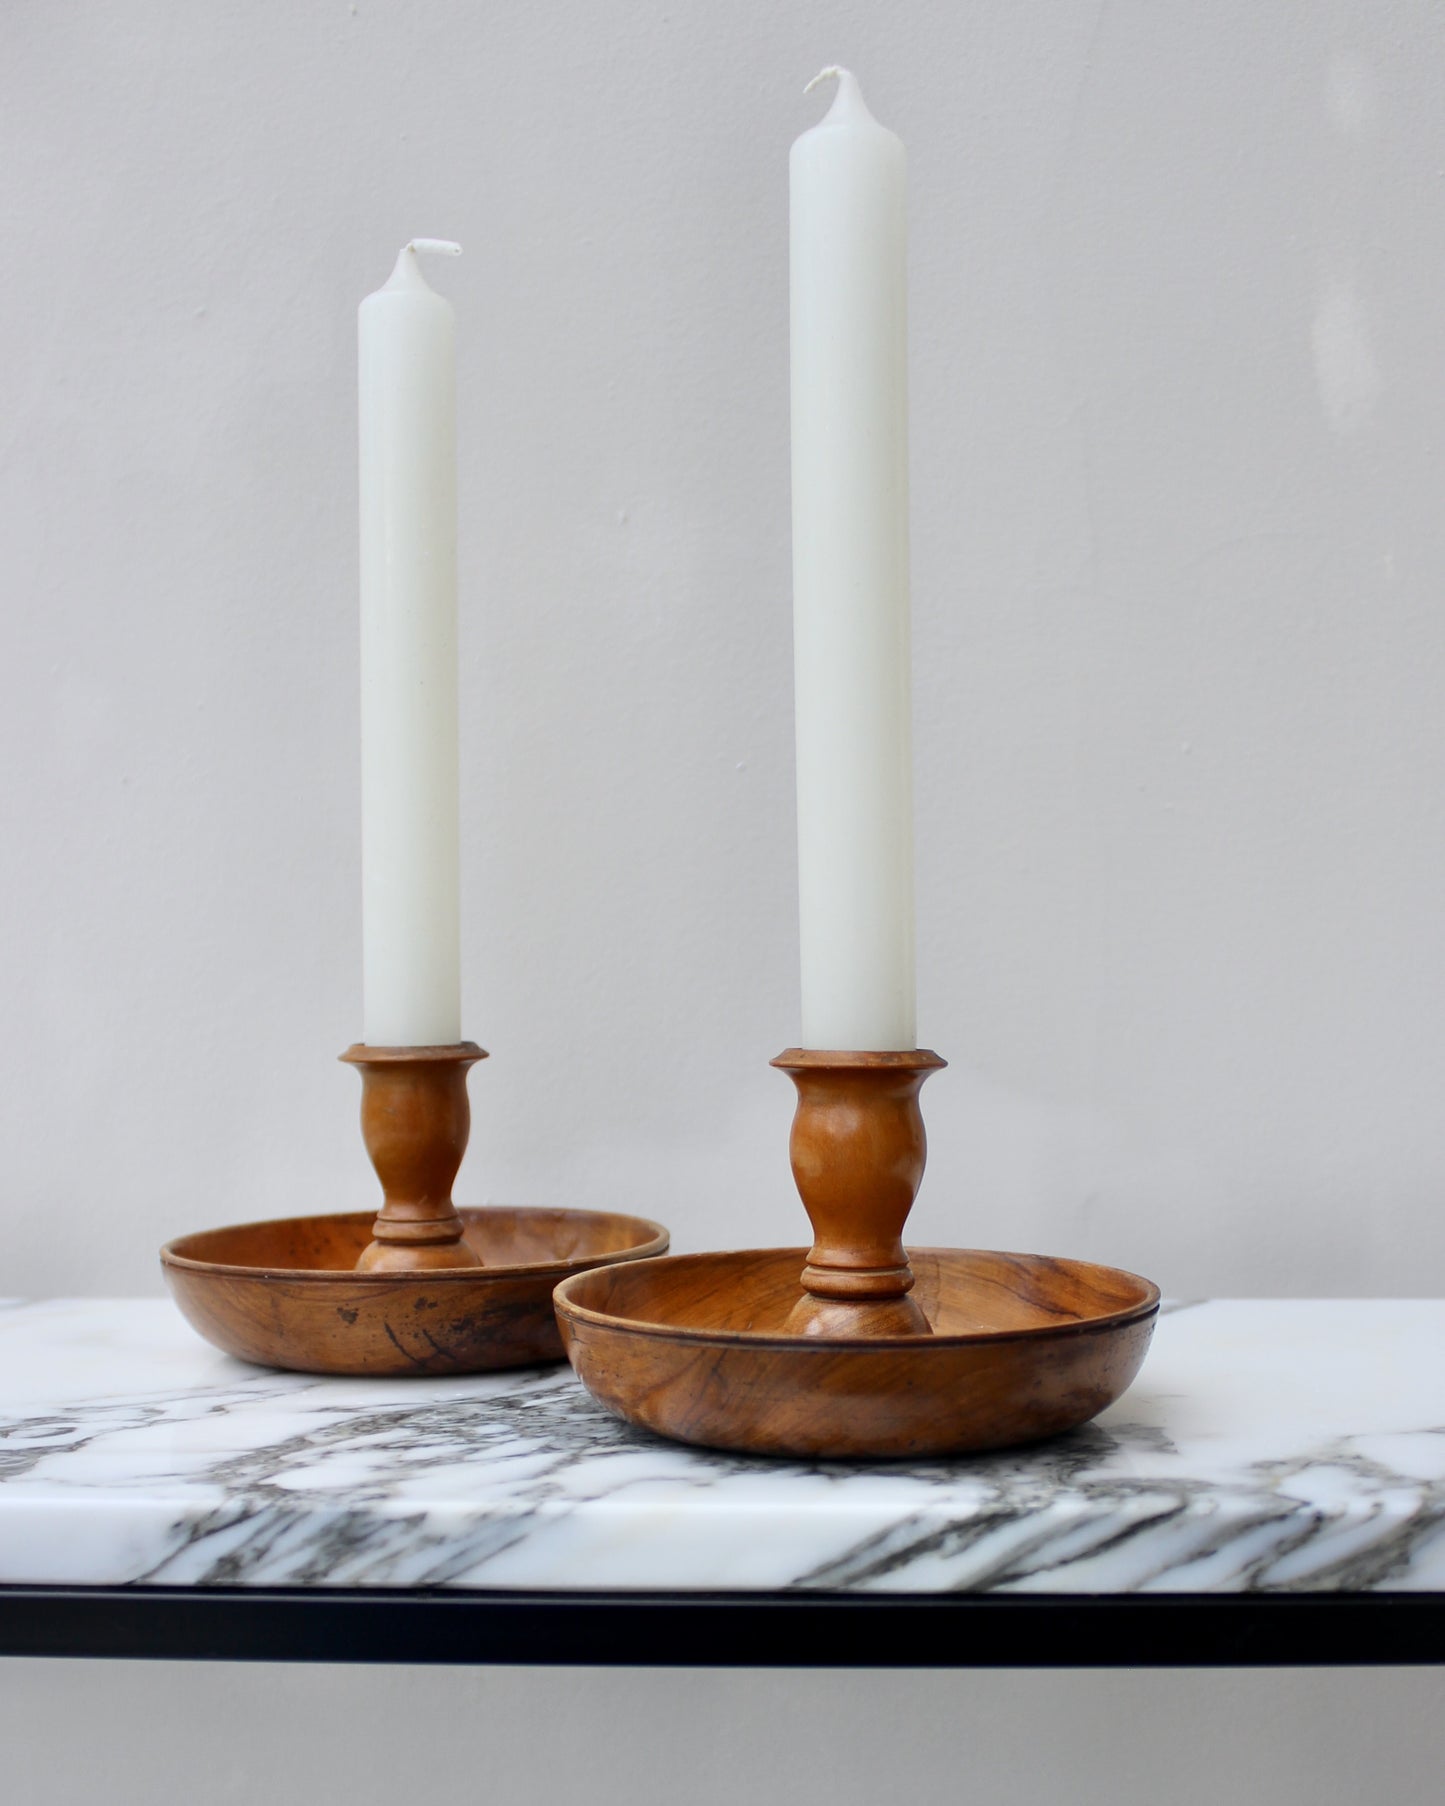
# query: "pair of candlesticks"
858, 1150
852, 1348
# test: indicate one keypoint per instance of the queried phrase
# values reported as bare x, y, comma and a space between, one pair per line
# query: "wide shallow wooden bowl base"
286, 1293
705, 1348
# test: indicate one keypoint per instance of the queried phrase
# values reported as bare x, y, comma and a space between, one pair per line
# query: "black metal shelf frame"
725, 1630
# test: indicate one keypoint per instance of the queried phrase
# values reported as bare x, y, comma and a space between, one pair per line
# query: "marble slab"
1267, 1445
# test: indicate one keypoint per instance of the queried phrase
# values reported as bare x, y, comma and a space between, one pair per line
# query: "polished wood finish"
858, 1149
705, 1348
287, 1293
415, 1121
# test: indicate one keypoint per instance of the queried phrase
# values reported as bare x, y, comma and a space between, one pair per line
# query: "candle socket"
415, 1120
858, 1150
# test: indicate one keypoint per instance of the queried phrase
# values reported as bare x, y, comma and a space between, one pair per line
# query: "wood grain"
286, 1293
415, 1120
705, 1348
858, 1149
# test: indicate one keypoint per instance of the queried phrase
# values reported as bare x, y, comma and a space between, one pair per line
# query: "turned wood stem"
858, 1150
415, 1120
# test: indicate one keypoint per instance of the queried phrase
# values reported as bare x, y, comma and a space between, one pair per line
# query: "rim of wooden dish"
441, 1275
754, 1338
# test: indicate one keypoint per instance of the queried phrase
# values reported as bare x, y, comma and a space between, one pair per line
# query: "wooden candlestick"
830, 1355
858, 1150
415, 1120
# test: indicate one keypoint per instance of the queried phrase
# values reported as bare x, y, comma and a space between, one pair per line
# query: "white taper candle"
850, 579
410, 906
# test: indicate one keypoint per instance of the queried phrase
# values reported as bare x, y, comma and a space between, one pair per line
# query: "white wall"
1178, 378
221, 1735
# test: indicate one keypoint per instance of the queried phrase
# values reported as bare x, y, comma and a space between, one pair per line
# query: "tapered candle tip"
849, 106
407, 271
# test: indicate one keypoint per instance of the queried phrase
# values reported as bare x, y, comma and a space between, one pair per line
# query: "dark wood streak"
406, 1354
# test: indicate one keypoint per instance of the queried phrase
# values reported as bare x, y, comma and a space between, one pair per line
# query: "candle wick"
443, 246
831, 74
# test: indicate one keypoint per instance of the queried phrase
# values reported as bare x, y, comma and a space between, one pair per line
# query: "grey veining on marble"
1267, 1445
